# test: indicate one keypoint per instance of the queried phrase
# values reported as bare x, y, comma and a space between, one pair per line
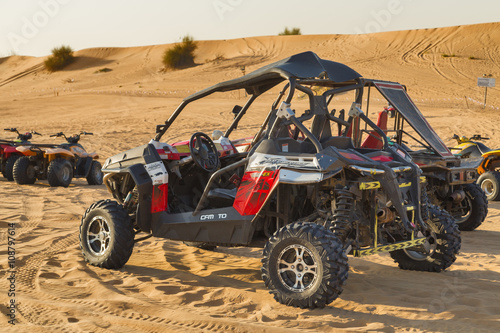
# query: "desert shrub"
181, 55
445, 55
293, 31
103, 70
60, 58
472, 58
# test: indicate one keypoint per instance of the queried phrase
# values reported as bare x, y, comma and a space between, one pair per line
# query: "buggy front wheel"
106, 235
304, 265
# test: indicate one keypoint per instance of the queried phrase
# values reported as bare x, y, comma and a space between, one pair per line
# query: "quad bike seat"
482, 148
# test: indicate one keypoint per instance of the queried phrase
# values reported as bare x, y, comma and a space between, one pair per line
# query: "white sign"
485, 82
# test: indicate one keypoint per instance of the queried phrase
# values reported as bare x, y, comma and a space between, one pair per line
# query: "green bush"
181, 55
444, 55
60, 58
293, 31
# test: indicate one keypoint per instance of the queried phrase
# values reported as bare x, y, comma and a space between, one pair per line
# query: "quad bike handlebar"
23, 137
461, 139
72, 139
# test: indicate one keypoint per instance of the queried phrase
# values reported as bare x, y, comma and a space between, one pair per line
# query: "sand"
169, 287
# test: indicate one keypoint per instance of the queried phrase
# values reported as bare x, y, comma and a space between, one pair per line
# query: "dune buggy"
299, 189
59, 164
451, 181
8, 152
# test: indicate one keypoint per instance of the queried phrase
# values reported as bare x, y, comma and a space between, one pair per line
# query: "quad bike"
451, 181
59, 164
489, 162
307, 196
8, 152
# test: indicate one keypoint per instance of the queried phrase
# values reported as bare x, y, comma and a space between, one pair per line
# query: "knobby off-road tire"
106, 235
95, 174
9, 167
476, 208
304, 265
24, 171
60, 172
444, 242
490, 184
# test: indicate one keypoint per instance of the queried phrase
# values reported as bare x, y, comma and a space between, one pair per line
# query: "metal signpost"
485, 81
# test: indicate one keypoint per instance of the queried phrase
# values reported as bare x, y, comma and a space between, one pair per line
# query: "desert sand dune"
169, 287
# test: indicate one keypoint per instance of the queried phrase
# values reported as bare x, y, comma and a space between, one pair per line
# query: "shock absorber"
341, 224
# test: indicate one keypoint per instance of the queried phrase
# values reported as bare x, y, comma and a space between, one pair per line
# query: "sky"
34, 27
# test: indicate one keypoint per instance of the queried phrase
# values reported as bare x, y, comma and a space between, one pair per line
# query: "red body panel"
8, 150
253, 191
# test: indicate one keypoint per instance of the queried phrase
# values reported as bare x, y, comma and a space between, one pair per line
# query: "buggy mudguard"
146, 168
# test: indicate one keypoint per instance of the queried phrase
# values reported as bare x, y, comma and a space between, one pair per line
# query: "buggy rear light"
159, 202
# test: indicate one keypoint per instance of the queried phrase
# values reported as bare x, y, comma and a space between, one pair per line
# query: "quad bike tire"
24, 171
476, 208
106, 235
490, 184
60, 172
304, 265
444, 240
95, 174
9, 167
201, 245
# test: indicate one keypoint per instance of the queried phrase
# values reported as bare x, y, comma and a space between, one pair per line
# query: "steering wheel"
204, 152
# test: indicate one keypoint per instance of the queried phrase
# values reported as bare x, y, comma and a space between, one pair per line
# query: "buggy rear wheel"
304, 265
490, 184
24, 171
439, 253
106, 235
60, 172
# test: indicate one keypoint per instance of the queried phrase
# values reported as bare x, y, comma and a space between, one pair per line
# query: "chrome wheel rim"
488, 187
65, 175
297, 268
98, 235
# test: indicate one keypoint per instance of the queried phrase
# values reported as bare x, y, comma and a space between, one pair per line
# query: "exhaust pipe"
385, 215
457, 196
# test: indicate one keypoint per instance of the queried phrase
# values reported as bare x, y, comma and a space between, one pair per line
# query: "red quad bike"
305, 194
451, 181
8, 152
59, 164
